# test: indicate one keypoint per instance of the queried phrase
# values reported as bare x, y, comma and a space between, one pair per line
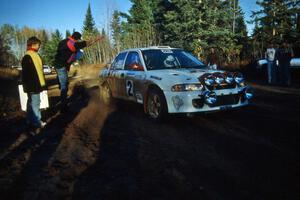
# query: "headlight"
209, 80
210, 97
239, 78
187, 87
229, 78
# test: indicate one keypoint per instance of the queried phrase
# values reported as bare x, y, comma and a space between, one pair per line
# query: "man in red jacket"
34, 83
66, 54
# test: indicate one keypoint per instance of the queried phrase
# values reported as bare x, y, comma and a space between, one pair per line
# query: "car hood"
186, 75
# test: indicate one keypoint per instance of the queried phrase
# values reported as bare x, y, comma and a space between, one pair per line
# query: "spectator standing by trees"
212, 60
67, 51
284, 56
34, 83
272, 69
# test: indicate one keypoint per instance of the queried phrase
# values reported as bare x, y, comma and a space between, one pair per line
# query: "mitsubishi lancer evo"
169, 80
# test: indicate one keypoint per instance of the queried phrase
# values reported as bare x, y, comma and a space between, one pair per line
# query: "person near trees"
212, 60
284, 56
34, 83
272, 68
68, 51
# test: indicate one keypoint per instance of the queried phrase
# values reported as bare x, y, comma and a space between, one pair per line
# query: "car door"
134, 77
115, 75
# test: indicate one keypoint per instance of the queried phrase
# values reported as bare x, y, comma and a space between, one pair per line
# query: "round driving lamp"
210, 97
229, 78
209, 80
239, 78
219, 79
249, 93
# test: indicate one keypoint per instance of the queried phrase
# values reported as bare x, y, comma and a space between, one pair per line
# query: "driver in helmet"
170, 61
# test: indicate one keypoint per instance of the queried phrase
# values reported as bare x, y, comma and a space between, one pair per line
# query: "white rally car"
170, 80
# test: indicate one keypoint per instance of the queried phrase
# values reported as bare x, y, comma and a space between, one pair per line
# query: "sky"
69, 14
58, 14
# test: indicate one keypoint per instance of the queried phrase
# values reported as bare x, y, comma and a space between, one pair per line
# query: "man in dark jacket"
34, 83
284, 56
67, 51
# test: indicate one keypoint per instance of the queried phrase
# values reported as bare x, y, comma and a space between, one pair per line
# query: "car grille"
227, 100
221, 101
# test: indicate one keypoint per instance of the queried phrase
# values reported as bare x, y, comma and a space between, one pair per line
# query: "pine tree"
241, 37
160, 7
89, 28
195, 25
139, 29
275, 22
50, 48
6, 56
239, 30
116, 30
199, 25
276, 18
97, 52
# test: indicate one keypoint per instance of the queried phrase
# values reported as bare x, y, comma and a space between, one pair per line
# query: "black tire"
105, 94
156, 105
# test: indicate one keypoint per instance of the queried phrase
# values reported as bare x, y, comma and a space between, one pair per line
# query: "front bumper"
193, 101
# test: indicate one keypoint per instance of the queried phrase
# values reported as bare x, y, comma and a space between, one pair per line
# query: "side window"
133, 62
119, 61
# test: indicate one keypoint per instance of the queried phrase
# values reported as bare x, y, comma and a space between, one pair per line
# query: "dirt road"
100, 152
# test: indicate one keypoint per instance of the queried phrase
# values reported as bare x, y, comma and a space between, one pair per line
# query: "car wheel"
156, 105
105, 94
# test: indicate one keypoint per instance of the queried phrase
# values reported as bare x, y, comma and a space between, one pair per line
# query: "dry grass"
9, 73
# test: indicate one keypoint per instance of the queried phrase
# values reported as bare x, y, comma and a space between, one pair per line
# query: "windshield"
170, 59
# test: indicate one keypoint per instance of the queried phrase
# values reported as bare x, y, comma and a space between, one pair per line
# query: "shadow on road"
99, 152
250, 153
23, 165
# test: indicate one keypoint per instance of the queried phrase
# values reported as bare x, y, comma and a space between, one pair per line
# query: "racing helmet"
169, 61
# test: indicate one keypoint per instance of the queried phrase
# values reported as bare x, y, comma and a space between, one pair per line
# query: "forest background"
194, 25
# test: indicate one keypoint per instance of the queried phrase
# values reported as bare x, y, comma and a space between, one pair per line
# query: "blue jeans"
62, 75
272, 72
33, 114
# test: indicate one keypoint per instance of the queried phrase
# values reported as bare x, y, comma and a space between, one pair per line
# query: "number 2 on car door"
129, 87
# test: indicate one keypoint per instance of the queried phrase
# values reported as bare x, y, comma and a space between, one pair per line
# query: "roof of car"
148, 48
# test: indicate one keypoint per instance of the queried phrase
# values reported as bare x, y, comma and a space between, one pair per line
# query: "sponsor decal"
129, 87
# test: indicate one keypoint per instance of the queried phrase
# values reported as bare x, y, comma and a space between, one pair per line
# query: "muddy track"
116, 152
